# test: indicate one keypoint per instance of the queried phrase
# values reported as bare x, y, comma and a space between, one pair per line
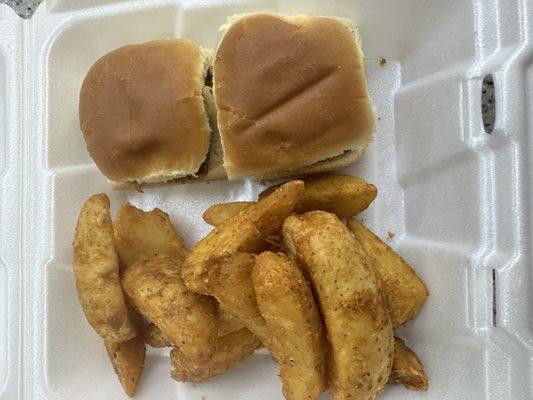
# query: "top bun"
290, 92
142, 111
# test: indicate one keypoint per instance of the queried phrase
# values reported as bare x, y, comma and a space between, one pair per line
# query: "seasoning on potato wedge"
247, 232
96, 271
323, 296
342, 195
231, 349
153, 336
226, 324
407, 368
230, 282
187, 319
217, 214
404, 290
358, 325
297, 337
127, 359
141, 235
339, 194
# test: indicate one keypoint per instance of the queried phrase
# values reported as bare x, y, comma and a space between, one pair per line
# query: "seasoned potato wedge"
217, 214
297, 337
127, 359
231, 349
96, 270
188, 320
226, 324
247, 232
403, 289
154, 337
340, 194
220, 213
407, 368
358, 325
141, 235
230, 282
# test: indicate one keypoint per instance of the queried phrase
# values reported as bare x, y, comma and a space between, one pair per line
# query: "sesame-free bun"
142, 111
291, 95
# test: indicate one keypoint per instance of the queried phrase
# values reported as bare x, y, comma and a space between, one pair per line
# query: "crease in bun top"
291, 95
142, 111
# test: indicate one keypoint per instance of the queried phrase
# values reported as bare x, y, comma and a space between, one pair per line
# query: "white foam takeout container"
456, 197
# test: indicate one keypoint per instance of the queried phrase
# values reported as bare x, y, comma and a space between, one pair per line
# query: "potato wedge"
217, 214
141, 235
358, 325
153, 336
407, 368
403, 289
96, 271
226, 324
231, 349
297, 337
127, 359
230, 282
247, 232
340, 194
188, 320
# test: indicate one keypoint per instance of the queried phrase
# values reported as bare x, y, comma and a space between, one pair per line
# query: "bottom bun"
215, 170
329, 164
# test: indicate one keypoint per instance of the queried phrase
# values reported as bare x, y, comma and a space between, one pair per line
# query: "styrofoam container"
457, 198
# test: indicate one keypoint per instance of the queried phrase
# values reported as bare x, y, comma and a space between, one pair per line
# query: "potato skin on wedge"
140, 235
217, 214
407, 369
404, 291
358, 325
248, 232
230, 282
96, 271
231, 349
187, 319
342, 195
297, 337
127, 359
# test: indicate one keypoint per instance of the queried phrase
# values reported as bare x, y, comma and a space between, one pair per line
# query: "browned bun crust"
290, 92
142, 112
